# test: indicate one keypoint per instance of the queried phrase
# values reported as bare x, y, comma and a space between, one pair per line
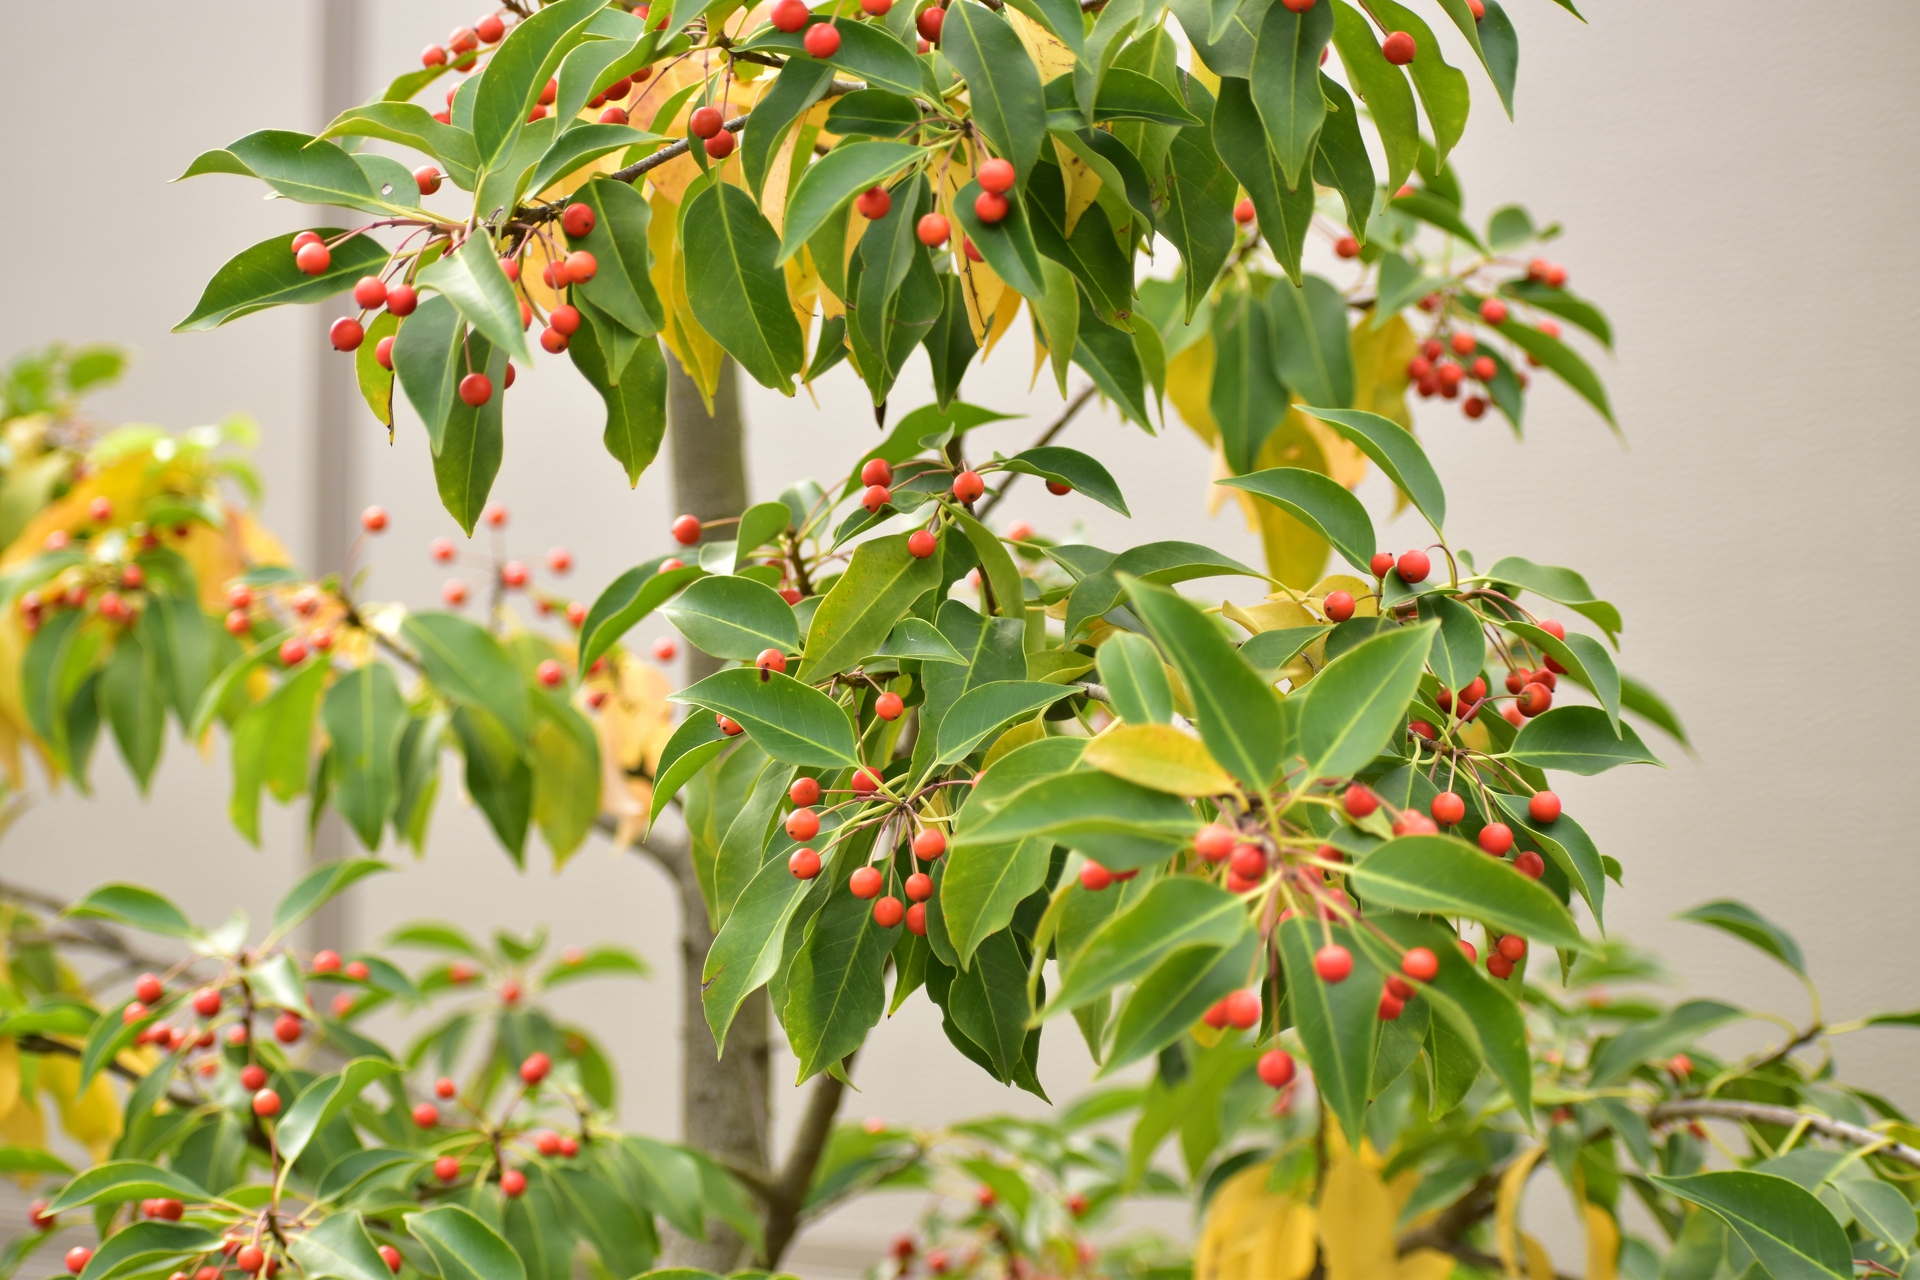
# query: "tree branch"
43, 1045
1786, 1118
1058, 425
788, 1194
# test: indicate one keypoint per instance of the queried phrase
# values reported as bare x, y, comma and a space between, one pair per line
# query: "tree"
923, 749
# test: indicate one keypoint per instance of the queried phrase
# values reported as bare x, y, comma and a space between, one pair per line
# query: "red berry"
613, 115
971, 250
346, 334
374, 519
865, 782
1059, 488
445, 1088
929, 23
1381, 563
358, 971
876, 497
919, 886
326, 962
803, 824
732, 728
704, 122
534, 1068
583, 266
889, 912
1338, 606
686, 530
513, 1184
990, 207
389, 1254
877, 471
1276, 1068
1248, 861
888, 706
253, 1075
865, 882
1243, 1009
1512, 947
402, 299
565, 319
1333, 963
929, 843
1447, 808
1359, 802
370, 293
266, 1103
1390, 1007
1496, 838
287, 1028
1484, 370
1494, 311
426, 1115
804, 864
968, 486
1299, 6
1530, 864
1534, 699
996, 175
313, 259
1466, 949
552, 341
1244, 213
1215, 842
577, 219
1398, 48
1418, 369
147, 988
1499, 966
1543, 807
874, 203
476, 389
917, 919
1464, 343
433, 56
489, 29
293, 653
1094, 876
790, 15
822, 40
933, 230
550, 673
1420, 964
876, 8
206, 1002
921, 543
1413, 567
1346, 247
304, 239
1478, 8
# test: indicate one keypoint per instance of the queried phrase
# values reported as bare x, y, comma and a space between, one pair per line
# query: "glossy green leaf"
1112, 359
312, 171
835, 988
463, 1246
364, 715
1569, 307
1131, 669
1247, 398
264, 275
918, 638
1285, 79
467, 455
120, 1180
629, 598
1007, 245
1197, 216
1003, 85
1341, 160
692, 746
1436, 211
789, 720
1578, 740
471, 279
1565, 842
1748, 925
1312, 353
881, 583
1176, 913
1285, 212
323, 1100
799, 84
1382, 87
836, 178
1335, 1020
987, 707
322, 885
747, 951
1440, 875
1237, 712
988, 1002
868, 51
1659, 1039
1122, 824
1176, 995
637, 403
1491, 51
339, 1248
1583, 658
1470, 1005
466, 664
411, 125
981, 887
735, 286
731, 617
430, 356
135, 907
871, 113
374, 379
1090, 251
623, 287
1393, 449
1562, 586
1319, 502
1442, 89
515, 75
1564, 361
1791, 1233
147, 1246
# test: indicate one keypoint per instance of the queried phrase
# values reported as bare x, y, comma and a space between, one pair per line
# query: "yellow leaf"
1365, 603
1019, 736
1425, 1264
24, 1126
1276, 615
1255, 1234
698, 353
1603, 1243
1189, 382
1356, 1219
9, 1075
1506, 1206
1380, 359
1539, 1261
1004, 315
1161, 757
1082, 183
1047, 50
90, 1115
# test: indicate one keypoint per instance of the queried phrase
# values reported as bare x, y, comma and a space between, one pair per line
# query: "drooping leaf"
1312, 351
1335, 1020
1748, 925
1578, 740
789, 720
1070, 466
836, 178
629, 598
1440, 875
981, 887
264, 275
471, 279
1562, 586
1003, 85
1393, 449
736, 288
1237, 712
982, 709
1285, 79
1285, 211
464, 662
1791, 1233
364, 714
1319, 502
1383, 87
1176, 913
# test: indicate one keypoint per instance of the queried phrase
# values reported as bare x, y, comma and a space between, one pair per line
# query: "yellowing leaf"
1603, 1243
1276, 615
1082, 183
633, 724
1425, 1264
1539, 1261
1161, 757
698, 353
1380, 359
1004, 315
1506, 1206
1019, 736
1254, 1234
1047, 50
1189, 383
1356, 1219
9, 1075
91, 1116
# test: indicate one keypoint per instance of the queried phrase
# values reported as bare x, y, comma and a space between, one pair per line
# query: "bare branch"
1786, 1118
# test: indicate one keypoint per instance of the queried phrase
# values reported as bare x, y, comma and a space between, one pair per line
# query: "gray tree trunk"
725, 1101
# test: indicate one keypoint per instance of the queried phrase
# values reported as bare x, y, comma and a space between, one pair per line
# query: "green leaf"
836, 178
835, 988
1237, 713
1584, 658
1335, 1020
365, 714
1269, 651
1394, 450
1197, 216
1285, 79
1358, 703
1442, 89
264, 275
730, 617
949, 342
1176, 913
147, 1246
323, 1100
1660, 1039
988, 1002
301, 167
17, 1160
119, 1180
981, 887
1002, 82
736, 288
1312, 352
1090, 252
1577, 740
1791, 1233
1247, 398
323, 883
1748, 925
430, 356
1007, 245
581, 145
564, 753
467, 456
136, 706
1564, 361
881, 583
1285, 211
411, 125
1131, 669
135, 907
1341, 159
1440, 875
629, 598
1383, 87
1881, 1210
471, 279
1499, 68
1562, 586
1461, 649
985, 708
464, 1247
867, 51
1176, 995
1112, 359
1566, 843
339, 1248
1319, 502
514, 77
1126, 94
1471, 1006
376, 381
1569, 307
789, 720
1121, 823
623, 286
796, 87
466, 664
637, 403
746, 953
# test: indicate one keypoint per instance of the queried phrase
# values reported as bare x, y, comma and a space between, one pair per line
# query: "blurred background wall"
1738, 185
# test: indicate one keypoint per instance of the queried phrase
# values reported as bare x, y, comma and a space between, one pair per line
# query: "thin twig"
1058, 425
1786, 1118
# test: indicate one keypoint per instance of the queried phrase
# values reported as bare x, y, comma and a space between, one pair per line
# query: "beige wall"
1737, 183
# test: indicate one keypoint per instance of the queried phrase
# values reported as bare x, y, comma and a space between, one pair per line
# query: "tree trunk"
725, 1101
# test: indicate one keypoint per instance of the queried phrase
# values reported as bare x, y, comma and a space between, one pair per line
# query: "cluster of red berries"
929, 844
119, 602
513, 575
1239, 1009
463, 46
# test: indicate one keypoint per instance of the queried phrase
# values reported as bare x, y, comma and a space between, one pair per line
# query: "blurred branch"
89, 935
1786, 1117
